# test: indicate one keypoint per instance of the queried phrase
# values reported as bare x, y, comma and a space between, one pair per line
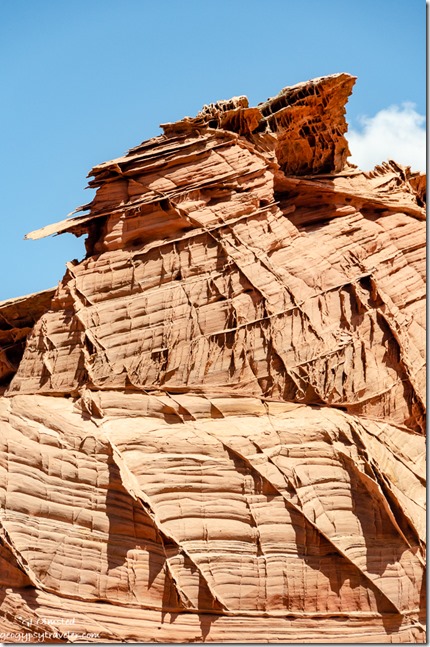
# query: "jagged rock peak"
306, 123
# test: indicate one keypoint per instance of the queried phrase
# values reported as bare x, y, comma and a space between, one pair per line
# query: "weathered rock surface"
17, 318
215, 432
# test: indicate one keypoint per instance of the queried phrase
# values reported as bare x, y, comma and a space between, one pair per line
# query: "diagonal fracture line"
139, 495
299, 510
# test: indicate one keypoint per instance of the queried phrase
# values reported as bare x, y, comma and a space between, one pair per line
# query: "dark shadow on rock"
384, 544
206, 621
131, 527
2, 595
320, 555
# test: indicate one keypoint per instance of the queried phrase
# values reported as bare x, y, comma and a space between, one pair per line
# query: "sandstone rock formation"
215, 432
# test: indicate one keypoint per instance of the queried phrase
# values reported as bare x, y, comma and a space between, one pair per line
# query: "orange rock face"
216, 430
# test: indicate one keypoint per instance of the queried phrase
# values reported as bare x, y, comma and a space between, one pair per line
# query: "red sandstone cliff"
215, 432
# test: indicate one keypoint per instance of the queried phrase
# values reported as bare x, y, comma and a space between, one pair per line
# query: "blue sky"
84, 80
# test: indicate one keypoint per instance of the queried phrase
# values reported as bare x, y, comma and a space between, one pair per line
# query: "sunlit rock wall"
216, 428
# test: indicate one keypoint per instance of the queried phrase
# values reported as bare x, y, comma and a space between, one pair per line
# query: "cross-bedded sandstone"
216, 428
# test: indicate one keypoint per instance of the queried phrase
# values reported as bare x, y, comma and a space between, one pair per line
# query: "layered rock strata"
17, 318
215, 432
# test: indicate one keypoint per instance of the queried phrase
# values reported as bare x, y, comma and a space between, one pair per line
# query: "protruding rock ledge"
299, 134
17, 318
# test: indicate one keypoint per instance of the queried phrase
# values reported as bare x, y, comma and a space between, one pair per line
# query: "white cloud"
396, 133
